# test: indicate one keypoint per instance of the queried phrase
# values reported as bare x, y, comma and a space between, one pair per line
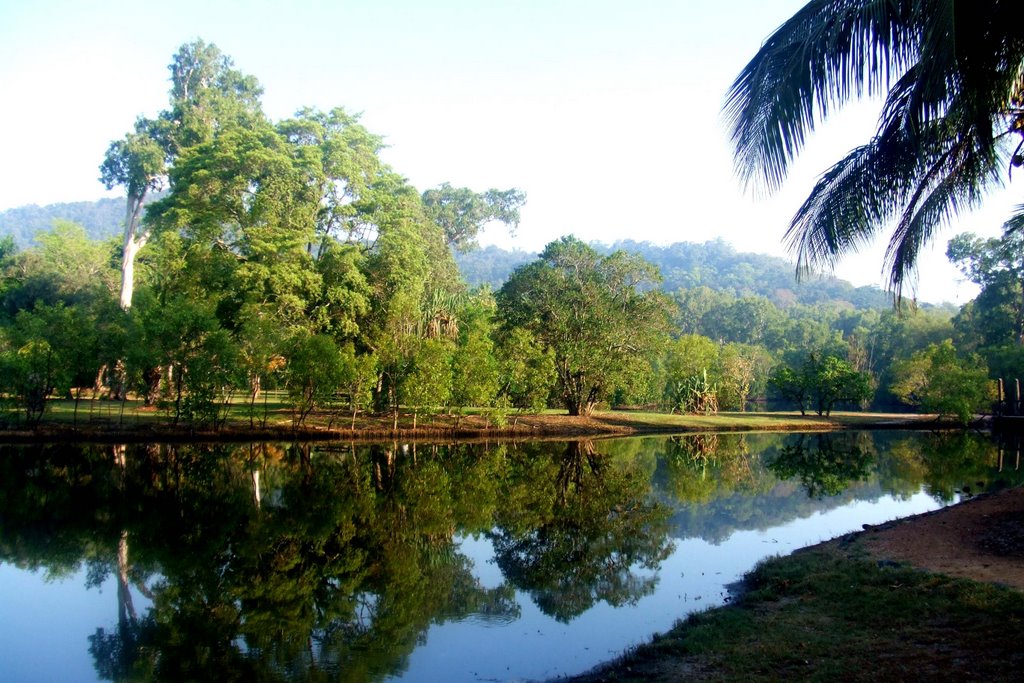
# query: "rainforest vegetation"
254, 255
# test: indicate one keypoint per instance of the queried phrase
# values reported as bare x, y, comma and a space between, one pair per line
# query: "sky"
607, 114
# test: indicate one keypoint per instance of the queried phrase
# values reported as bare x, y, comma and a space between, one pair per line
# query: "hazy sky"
607, 114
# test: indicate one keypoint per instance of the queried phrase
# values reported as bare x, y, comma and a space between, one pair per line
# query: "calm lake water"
420, 563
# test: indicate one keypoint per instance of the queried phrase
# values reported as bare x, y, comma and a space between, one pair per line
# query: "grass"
828, 614
275, 415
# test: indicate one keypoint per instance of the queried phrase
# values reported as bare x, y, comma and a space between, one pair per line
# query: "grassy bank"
274, 419
830, 613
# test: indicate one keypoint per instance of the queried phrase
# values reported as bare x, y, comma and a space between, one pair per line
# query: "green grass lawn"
273, 411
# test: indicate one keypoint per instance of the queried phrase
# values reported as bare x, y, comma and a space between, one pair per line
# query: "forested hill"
101, 219
715, 265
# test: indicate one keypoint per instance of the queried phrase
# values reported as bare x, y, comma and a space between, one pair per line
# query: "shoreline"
472, 428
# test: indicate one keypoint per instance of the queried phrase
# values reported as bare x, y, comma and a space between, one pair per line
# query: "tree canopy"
599, 316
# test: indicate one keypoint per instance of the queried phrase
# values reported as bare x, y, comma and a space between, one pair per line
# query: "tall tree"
345, 156
206, 92
138, 163
243, 198
462, 213
950, 74
599, 315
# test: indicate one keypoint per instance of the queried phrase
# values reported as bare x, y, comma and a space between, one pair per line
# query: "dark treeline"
258, 255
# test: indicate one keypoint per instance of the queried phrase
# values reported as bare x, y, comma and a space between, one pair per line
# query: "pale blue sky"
606, 113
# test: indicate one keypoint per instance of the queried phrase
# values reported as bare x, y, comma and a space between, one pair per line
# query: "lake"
414, 562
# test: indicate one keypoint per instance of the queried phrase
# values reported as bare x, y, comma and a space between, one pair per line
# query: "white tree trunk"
133, 242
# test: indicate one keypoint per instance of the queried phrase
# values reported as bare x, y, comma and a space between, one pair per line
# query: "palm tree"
951, 127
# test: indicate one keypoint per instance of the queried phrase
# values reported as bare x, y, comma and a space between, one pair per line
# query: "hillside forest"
251, 255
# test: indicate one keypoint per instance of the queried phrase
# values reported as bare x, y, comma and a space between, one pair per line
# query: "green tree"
462, 213
944, 382
820, 383
182, 340
688, 361
64, 266
428, 383
600, 316
741, 371
315, 370
474, 365
360, 373
996, 316
693, 304
206, 94
950, 74
344, 156
526, 369
242, 201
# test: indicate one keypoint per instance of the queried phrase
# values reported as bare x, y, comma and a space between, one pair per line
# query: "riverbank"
133, 422
939, 596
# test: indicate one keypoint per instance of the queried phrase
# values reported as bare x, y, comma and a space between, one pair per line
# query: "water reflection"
826, 464
578, 540
333, 562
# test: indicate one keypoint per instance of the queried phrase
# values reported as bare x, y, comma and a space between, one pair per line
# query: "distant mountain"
101, 219
715, 264
684, 265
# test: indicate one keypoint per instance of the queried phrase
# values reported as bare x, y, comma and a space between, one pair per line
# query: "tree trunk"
133, 242
119, 383
125, 609
256, 493
154, 385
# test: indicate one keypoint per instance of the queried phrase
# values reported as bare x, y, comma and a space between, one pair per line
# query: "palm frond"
956, 181
1016, 221
953, 74
827, 53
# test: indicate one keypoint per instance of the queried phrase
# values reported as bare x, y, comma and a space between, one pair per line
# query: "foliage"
820, 383
475, 373
695, 395
741, 370
939, 380
597, 314
315, 370
44, 351
428, 382
993, 323
526, 370
462, 213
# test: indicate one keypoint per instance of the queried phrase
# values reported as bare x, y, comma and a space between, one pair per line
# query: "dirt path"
980, 539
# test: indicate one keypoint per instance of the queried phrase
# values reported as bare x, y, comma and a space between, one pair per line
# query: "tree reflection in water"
331, 562
826, 464
308, 562
600, 525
